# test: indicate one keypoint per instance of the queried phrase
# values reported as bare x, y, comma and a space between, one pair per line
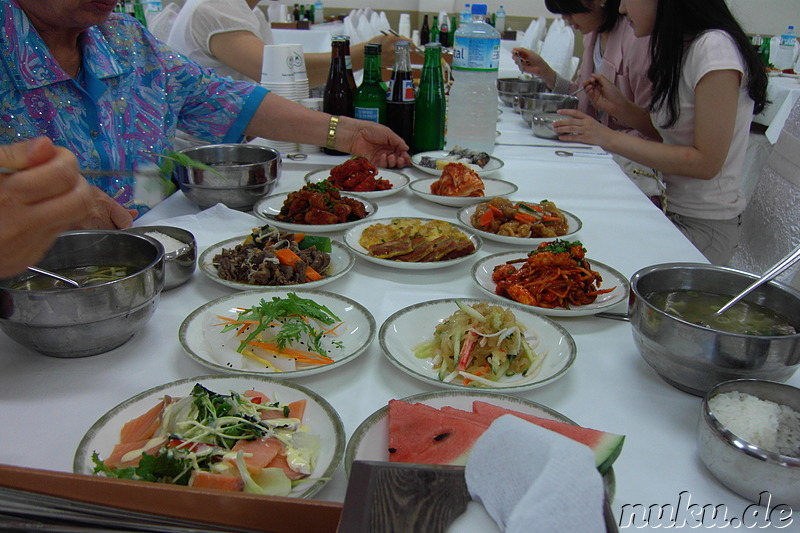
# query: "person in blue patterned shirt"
99, 84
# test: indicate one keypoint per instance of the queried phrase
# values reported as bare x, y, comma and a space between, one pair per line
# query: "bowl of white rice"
749, 438
180, 252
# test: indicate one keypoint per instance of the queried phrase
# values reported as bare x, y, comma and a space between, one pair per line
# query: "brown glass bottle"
348, 62
338, 96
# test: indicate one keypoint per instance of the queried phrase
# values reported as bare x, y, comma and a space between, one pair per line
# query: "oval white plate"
342, 260
493, 188
397, 179
370, 440
493, 165
415, 324
482, 275
353, 235
269, 207
355, 334
574, 225
321, 418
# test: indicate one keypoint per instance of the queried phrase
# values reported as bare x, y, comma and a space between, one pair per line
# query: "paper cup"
277, 64
312, 103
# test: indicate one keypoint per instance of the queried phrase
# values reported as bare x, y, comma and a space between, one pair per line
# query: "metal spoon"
770, 274
55, 276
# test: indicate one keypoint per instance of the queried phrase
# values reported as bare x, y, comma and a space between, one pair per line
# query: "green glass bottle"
138, 12
435, 29
429, 119
371, 95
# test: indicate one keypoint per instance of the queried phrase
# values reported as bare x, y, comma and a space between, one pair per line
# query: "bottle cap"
479, 9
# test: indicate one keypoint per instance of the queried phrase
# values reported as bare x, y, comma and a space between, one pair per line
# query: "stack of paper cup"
315, 104
283, 72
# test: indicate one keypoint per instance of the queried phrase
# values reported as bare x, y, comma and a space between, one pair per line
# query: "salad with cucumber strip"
244, 442
483, 345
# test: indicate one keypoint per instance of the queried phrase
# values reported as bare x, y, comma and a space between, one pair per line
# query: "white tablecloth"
47, 404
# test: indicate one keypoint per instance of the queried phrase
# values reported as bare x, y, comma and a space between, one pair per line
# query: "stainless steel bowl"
742, 466
77, 322
179, 264
540, 102
244, 174
542, 125
511, 90
695, 358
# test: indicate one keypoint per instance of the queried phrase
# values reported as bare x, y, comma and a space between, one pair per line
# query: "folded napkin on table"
534, 480
215, 224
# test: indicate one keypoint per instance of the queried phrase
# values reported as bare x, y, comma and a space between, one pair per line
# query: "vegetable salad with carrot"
237, 442
279, 335
483, 345
521, 219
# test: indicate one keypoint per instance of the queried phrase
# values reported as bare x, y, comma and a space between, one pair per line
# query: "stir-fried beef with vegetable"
271, 257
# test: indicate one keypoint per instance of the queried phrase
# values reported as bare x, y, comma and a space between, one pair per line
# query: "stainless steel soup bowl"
245, 173
542, 125
742, 466
179, 265
511, 90
542, 102
78, 322
695, 358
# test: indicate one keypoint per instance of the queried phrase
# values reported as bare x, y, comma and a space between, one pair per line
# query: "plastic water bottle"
500, 20
319, 17
784, 55
472, 107
466, 15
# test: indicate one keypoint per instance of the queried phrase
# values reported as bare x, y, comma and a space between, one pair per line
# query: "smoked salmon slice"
127, 454
144, 427
207, 480
280, 462
258, 453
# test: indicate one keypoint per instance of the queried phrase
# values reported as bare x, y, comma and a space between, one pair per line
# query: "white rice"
764, 423
170, 244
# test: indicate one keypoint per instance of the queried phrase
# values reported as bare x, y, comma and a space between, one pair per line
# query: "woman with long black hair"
707, 84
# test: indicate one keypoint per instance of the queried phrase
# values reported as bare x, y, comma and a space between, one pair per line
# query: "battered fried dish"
458, 180
523, 219
411, 240
320, 204
556, 274
357, 175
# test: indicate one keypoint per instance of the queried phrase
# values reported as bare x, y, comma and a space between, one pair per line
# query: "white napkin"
215, 224
532, 39
534, 480
558, 47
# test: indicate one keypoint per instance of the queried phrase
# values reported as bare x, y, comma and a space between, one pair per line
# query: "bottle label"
787, 40
408, 91
470, 53
348, 63
367, 113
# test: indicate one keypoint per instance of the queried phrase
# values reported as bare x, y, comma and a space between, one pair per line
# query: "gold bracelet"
332, 125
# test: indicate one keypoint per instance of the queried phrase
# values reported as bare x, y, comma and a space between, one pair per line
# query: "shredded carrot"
332, 331
524, 217
306, 357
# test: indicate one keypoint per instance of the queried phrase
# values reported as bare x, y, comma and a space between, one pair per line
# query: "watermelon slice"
606, 446
419, 433
422, 434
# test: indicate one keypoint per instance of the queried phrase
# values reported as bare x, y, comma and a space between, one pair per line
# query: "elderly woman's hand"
580, 127
45, 197
373, 141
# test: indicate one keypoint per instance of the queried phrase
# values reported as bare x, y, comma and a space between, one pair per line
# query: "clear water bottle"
500, 20
465, 15
472, 106
784, 55
319, 16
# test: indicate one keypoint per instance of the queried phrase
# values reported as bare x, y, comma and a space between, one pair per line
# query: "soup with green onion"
86, 276
699, 307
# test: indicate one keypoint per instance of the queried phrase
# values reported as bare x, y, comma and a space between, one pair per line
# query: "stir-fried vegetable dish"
521, 219
482, 345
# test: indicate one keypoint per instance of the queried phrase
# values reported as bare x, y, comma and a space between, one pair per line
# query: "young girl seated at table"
707, 83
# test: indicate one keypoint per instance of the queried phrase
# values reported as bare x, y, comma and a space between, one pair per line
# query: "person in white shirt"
707, 83
229, 36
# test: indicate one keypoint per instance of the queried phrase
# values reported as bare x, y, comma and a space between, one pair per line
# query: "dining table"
47, 404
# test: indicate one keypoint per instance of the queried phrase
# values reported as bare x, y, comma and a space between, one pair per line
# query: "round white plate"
415, 324
355, 334
574, 225
493, 165
370, 440
493, 188
353, 235
397, 179
269, 207
342, 260
320, 417
482, 275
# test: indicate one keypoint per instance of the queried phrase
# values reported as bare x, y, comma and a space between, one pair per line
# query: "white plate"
415, 324
269, 207
352, 237
342, 260
574, 225
397, 179
493, 165
370, 440
320, 417
482, 275
493, 188
355, 334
